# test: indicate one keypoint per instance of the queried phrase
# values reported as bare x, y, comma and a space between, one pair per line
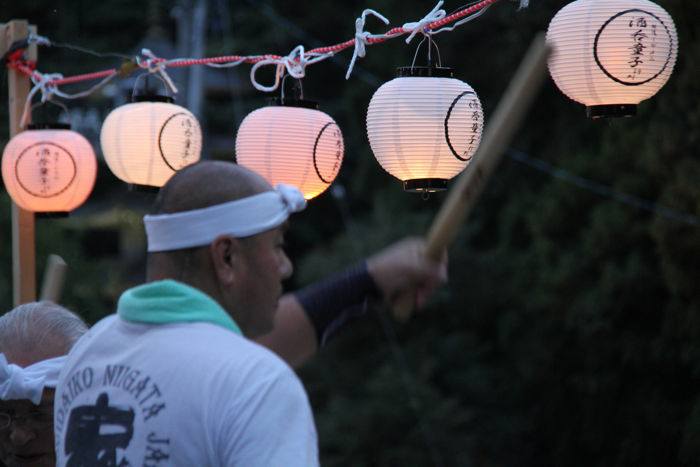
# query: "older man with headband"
34, 339
171, 379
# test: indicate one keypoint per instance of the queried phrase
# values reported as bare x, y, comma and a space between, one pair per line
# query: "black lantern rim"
143, 188
152, 98
611, 111
425, 185
287, 102
52, 215
424, 72
48, 126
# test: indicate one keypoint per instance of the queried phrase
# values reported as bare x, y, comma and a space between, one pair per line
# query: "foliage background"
569, 332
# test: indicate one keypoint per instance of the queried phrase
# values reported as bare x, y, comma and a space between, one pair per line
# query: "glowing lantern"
292, 143
424, 127
146, 142
611, 54
49, 170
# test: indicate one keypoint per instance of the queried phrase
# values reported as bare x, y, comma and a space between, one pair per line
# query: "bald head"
208, 183
36, 331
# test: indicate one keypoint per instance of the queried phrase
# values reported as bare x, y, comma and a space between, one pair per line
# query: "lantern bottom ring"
51, 215
611, 110
143, 188
425, 185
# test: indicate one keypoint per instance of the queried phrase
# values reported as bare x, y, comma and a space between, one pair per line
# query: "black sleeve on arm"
331, 302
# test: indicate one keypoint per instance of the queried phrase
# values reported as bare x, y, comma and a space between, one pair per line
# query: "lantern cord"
431, 43
421, 25
362, 37
79, 95
601, 189
294, 63
147, 75
54, 102
42, 40
299, 86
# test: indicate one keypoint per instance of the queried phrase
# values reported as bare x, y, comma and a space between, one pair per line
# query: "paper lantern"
145, 143
291, 142
424, 127
611, 54
49, 169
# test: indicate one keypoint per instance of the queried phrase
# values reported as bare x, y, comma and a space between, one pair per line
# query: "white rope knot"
361, 37
421, 26
154, 65
37, 39
295, 63
42, 82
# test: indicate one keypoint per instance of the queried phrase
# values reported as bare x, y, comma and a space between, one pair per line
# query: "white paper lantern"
292, 143
145, 143
424, 127
611, 54
49, 170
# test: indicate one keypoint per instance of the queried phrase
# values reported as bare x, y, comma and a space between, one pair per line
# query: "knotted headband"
240, 218
28, 383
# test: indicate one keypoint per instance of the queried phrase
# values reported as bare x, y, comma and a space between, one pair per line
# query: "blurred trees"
569, 333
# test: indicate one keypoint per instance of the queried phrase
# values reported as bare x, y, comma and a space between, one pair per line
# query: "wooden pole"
54, 276
465, 192
23, 253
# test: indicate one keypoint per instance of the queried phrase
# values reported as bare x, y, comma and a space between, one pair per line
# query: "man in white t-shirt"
170, 379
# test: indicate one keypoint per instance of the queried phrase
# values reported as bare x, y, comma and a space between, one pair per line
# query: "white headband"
240, 218
28, 383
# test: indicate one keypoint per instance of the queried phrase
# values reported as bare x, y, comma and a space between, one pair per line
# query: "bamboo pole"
465, 192
23, 253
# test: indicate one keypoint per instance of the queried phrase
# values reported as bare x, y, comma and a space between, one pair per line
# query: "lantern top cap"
286, 102
424, 72
48, 126
152, 98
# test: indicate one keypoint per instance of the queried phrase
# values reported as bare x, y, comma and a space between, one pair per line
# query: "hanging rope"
294, 64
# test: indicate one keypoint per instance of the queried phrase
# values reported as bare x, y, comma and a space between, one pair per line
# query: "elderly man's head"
29, 334
243, 274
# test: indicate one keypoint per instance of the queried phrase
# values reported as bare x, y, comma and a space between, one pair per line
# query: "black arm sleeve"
334, 301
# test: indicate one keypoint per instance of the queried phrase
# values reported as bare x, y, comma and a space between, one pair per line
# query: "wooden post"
23, 253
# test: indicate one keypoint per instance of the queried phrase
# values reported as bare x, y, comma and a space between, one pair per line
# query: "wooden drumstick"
466, 190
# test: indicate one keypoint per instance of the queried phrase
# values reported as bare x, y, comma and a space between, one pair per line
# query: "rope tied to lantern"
42, 82
422, 25
295, 63
156, 65
362, 37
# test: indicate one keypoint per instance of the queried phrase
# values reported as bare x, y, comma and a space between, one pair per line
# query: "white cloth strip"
421, 26
42, 82
155, 66
240, 218
28, 383
361, 37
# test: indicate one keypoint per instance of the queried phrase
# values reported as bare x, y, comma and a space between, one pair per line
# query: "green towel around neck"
169, 301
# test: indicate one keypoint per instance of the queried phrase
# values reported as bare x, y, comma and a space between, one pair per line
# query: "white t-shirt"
181, 394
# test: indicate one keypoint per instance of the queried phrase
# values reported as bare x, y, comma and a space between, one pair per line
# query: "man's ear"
225, 253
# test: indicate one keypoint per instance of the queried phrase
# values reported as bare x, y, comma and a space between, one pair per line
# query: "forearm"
293, 338
307, 318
